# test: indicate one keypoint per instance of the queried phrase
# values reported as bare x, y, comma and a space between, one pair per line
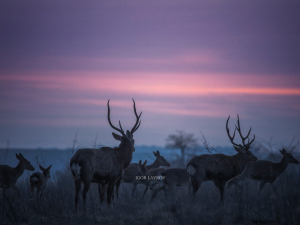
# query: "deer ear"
154, 154
144, 164
237, 149
157, 153
49, 167
42, 168
17, 156
281, 152
140, 162
117, 137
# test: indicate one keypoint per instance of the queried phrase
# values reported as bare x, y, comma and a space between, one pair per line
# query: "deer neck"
45, 177
240, 161
155, 164
282, 165
125, 154
19, 169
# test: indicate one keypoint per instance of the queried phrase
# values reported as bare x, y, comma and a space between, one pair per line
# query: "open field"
240, 207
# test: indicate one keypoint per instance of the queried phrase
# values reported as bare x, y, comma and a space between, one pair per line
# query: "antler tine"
238, 127
228, 132
251, 141
137, 126
121, 126
137, 123
108, 117
240, 132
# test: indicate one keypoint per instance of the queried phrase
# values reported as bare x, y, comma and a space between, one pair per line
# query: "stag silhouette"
104, 165
219, 167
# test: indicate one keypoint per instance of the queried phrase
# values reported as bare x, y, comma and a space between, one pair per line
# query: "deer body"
265, 171
214, 166
130, 173
39, 180
9, 175
171, 178
105, 165
218, 167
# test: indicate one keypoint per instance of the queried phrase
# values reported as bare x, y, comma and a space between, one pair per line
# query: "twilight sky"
188, 65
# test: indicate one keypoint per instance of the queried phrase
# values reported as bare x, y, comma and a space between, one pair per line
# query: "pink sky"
187, 69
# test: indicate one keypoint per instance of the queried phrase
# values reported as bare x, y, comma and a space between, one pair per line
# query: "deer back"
101, 163
218, 165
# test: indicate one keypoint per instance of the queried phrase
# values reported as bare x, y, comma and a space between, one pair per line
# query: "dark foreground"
240, 207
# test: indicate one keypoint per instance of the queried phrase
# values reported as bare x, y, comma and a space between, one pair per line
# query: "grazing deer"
219, 167
9, 175
265, 171
104, 165
39, 180
130, 173
171, 178
152, 180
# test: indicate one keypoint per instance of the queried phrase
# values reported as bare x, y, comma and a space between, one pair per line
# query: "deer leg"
118, 183
195, 185
145, 190
274, 189
133, 189
77, 189
110, 190
85, 190
190, 187
113, 194
31, 190
161, 186
261, 186
41, 193
222, 191
38, 192
101, 190
220, 186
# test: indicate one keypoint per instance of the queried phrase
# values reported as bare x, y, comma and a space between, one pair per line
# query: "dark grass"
240, 206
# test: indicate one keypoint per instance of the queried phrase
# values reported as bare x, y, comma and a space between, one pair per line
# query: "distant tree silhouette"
182, 141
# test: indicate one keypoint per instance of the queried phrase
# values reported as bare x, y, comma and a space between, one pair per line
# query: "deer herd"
109, 167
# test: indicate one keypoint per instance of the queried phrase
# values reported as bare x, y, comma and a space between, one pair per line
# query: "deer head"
125, 138
160, 159
241, 149
289, 157
26, 164
46, 171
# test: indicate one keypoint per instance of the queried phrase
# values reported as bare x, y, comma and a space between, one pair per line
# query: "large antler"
138, 122
238, 127
228, 133
108, 117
